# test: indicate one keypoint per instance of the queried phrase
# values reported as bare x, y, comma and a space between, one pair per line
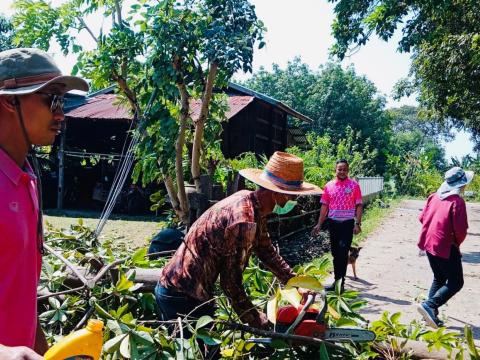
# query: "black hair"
341, 161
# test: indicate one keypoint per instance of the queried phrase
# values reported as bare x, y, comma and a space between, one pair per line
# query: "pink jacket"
444, 223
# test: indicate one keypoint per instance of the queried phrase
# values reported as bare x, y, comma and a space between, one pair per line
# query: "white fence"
370, 186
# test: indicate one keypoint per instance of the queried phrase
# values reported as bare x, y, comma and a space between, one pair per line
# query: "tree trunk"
172, 194
179, 145
200, 125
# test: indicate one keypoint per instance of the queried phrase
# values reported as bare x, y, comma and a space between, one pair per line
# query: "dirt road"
393, 277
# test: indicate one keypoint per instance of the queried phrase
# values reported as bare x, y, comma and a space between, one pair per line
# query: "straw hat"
283, 174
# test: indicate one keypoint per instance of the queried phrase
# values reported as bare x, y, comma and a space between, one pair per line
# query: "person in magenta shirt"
342, 207
444, 228
31, 113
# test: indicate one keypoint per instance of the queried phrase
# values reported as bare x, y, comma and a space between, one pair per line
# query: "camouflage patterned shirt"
220, 243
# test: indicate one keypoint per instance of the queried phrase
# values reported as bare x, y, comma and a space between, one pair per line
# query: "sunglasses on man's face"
56, 101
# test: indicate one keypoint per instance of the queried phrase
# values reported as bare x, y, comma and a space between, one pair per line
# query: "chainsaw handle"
301, 314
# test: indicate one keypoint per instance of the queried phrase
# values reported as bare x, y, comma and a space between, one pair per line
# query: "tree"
161, 56
6, 33
334, 98
416, 135
443, 37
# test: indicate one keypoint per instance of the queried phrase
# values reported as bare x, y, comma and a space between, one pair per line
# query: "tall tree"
443, 37
334, 98
164, 53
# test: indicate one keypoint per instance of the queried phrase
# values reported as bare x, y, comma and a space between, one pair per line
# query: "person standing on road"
342, 208
31, 113
444, 228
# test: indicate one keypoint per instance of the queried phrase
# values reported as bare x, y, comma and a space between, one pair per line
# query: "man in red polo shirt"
31, 113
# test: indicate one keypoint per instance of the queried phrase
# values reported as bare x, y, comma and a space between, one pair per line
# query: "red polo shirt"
20, 258
444, 223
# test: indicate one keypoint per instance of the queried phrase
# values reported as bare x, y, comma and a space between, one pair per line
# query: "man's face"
341, 171
41, 123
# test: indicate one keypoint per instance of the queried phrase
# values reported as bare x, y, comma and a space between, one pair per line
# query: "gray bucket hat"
25, 71
454, 178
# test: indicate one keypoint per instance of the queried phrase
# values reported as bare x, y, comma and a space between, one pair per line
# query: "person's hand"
357, 229
305, 292
316, 229
18, 353
260, 321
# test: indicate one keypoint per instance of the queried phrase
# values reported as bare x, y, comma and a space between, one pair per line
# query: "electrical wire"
124, 166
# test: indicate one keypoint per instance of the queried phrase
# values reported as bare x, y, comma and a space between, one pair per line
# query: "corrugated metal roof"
101, 106
235, 104
270, 100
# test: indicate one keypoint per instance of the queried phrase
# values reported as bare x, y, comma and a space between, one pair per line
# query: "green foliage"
321, 156
6, 33
133, 332
443, 38
336, 99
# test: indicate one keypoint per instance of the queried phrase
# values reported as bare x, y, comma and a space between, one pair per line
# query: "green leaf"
123, 283
113, 344
139, 255
102, 312
207, 338
292, 296
323, 352
125, 347
306, 282
203, 321
272, 307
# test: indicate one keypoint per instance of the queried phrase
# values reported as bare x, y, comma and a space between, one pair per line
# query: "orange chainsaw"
306, 320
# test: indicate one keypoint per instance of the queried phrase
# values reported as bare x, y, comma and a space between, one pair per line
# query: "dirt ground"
393, 277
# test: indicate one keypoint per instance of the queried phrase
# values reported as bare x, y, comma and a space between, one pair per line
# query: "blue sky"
302, 28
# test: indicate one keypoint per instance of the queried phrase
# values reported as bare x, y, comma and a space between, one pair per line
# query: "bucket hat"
26, 71
454, 178
283, 174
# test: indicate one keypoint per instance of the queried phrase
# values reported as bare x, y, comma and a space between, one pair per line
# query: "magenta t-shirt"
20, 257
342, 197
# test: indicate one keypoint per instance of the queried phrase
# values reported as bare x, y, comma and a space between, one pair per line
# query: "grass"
373, 216
133, 231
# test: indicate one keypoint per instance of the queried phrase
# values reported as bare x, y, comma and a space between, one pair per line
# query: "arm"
460, 221
358, 218
41, 345
422, 214
357, 196
231, 276
321, 219
18, 353
269, 256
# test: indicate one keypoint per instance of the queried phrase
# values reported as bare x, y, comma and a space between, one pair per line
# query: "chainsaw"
309, 321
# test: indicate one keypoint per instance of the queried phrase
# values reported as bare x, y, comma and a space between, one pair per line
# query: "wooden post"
61, 155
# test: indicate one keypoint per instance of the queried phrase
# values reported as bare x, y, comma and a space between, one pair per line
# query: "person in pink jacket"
444, 228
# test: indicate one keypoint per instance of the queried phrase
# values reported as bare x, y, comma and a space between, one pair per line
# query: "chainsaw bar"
345, 335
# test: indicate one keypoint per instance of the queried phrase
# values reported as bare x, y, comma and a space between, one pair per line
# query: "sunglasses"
56, 101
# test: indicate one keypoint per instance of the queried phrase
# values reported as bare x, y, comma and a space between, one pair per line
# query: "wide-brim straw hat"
283, 174
454, 178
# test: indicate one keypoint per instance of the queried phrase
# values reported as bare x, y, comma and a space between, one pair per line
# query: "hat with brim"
25, 71
283, 174
454, 178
